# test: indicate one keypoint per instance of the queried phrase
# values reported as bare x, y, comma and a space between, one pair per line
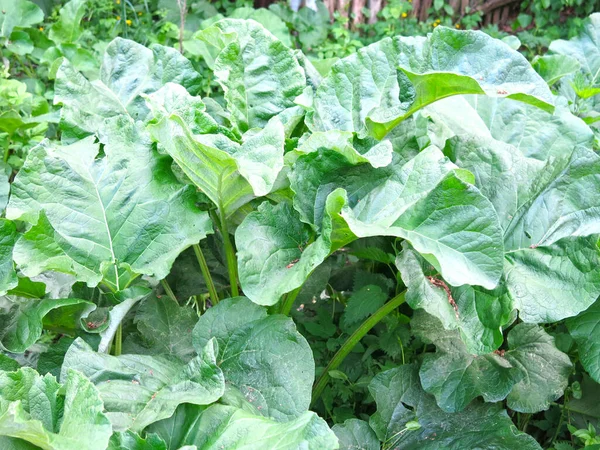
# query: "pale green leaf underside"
226, 427
230, 174
29, 410
138, 390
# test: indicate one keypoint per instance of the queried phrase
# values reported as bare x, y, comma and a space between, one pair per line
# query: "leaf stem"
118, 340
288, 301
206, 274
168, 290
354, 339
229, 253
7, 148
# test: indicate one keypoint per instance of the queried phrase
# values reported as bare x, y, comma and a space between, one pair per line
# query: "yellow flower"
435, 24
118, 2
128, 22
404, 15
457, 26
118, 17
139, 13
41, 28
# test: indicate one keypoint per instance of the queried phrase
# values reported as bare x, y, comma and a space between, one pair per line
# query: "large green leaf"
274, 255
138, 390
165, 327
355, 434
18, 13
545, 369
23, 319
375, 89
535, 132
425, 201
230, 174
555, 208
344, 142
103, 219
554, 67
585, 329
226, 427
531, 373
67, 28
400, 400
119, 89
8, 238
259, 75
584, 47
551, 266
551, 283
173, 98
478, 313
36, 409
268, 366
453, 375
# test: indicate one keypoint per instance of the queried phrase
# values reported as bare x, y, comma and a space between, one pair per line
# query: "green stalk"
229, 253
206, 274
118, 340
7, 149
288, 301
354, 339
168, 289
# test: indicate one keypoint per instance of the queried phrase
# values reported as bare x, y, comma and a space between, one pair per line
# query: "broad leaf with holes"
479, 314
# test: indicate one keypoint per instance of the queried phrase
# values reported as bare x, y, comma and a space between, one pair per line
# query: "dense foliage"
236, 246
